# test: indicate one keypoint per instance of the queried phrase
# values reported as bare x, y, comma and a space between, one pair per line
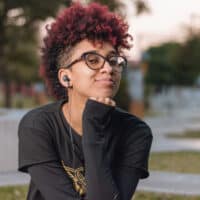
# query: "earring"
66, 79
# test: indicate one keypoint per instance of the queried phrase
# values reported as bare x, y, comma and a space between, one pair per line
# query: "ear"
64, 73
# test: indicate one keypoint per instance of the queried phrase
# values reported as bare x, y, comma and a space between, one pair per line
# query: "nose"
107, 68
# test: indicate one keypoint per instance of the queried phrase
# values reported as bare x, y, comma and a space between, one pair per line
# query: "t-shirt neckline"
66, 123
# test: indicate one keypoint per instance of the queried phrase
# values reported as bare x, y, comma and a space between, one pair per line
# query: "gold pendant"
77, 177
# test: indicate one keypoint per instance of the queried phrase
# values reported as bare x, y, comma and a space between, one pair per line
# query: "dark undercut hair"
93, 22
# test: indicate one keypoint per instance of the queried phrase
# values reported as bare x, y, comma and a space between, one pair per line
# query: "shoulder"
128, 119
39, 117
131, 125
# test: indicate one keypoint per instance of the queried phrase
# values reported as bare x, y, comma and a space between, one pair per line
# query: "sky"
165, 22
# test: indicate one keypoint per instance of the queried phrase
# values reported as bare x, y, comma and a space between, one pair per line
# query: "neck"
73, 112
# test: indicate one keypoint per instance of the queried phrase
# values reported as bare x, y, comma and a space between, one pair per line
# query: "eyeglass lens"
96, 61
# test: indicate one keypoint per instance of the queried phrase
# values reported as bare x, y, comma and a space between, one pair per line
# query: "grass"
186, 135
22, 102
183, 161
20, 192
13, 192
151, 113
26, 102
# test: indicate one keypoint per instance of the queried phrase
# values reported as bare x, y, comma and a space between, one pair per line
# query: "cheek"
118, 79
84, 83
117, 85
83, 79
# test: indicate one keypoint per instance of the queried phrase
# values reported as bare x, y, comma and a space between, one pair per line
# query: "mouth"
106, 81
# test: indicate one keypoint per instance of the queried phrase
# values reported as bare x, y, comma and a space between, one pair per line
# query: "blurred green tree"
117, 6
187, 65
162, 64
174, 63
19, 25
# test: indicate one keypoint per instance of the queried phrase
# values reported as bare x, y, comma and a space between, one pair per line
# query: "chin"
105, 93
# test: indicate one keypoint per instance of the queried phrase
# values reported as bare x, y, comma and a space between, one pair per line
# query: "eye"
113, 61
93, 59
121, 62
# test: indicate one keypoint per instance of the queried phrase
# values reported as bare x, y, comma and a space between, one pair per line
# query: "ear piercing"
66, 79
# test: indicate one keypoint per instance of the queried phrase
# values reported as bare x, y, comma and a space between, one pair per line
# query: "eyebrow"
111, 52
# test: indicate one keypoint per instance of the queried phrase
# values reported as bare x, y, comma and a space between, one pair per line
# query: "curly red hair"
78, 22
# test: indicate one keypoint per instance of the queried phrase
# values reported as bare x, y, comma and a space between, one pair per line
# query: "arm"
133, 159
38, 157
52, 181
101, 182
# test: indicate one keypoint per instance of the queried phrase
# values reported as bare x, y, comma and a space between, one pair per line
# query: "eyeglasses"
96, 61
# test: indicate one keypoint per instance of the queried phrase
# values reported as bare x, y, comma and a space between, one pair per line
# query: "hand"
105, 100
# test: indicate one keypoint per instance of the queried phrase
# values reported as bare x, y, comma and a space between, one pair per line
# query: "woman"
83, 146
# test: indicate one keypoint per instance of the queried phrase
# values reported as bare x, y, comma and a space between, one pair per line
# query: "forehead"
103, 48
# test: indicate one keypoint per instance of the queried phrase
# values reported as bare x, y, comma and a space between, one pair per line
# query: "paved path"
174, 123
169, 182
13, 178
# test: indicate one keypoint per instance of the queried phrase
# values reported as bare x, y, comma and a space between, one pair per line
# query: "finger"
107, 101
93, 98
113, 103
100, 99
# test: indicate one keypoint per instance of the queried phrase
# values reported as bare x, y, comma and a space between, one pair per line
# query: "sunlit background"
164, 22
161, 85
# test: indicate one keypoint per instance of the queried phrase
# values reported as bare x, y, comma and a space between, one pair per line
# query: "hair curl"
78, 22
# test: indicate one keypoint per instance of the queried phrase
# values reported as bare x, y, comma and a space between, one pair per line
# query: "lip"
105, 81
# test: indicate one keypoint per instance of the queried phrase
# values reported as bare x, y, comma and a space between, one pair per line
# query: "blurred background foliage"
174, 63
19, 49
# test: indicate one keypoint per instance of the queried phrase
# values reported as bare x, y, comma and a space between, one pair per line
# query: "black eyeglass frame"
83, 57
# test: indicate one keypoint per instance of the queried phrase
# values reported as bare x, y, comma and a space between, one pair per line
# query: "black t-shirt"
114, 148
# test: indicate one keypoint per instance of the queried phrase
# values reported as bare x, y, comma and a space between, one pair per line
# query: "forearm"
103, 181
52, 182
96, 129
99, 180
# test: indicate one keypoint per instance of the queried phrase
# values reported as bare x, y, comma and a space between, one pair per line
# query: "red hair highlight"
73, 24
